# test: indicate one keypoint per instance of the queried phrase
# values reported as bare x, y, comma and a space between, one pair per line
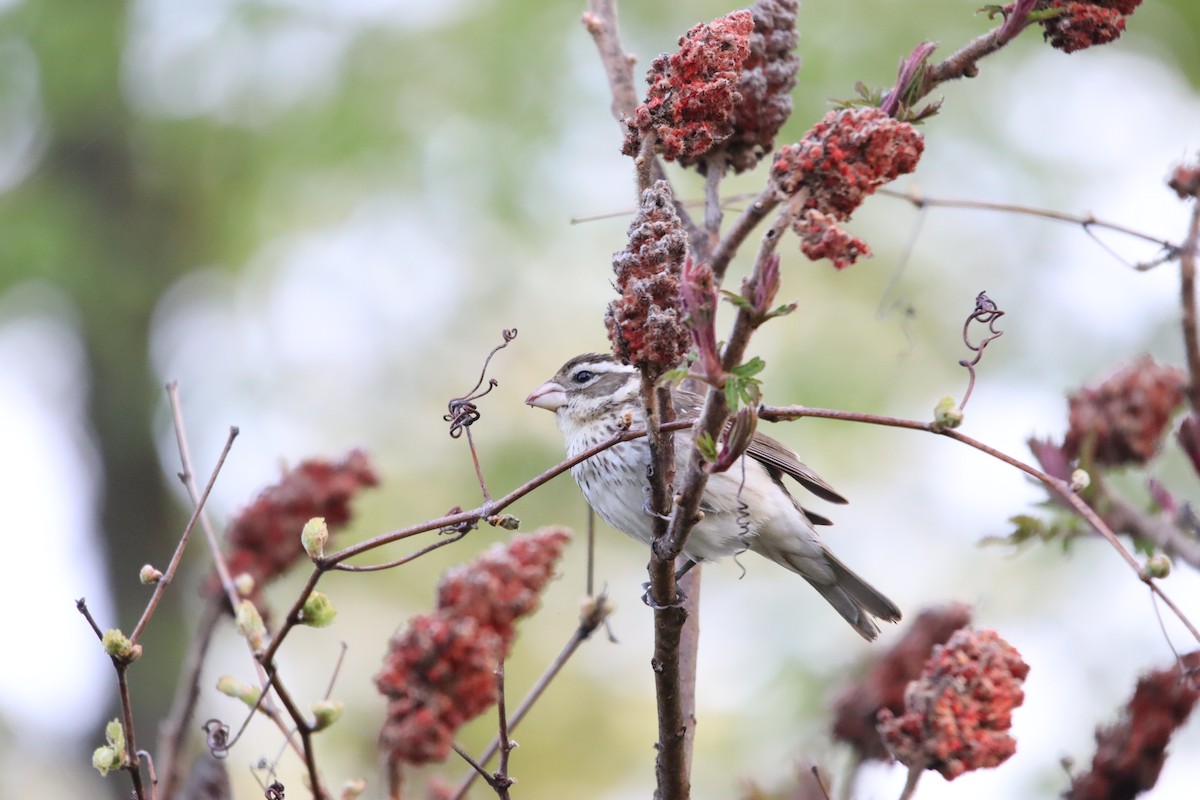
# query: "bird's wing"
775, 454
771, 453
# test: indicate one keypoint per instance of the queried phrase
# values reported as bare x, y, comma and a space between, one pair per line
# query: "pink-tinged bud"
1051, 457
698, 295
692, 91
909, 83
736, 439
957, 715
763, 289
1016, 18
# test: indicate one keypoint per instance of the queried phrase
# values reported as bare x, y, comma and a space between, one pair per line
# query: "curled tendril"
274, 791
986, 313
461, 411
217, 736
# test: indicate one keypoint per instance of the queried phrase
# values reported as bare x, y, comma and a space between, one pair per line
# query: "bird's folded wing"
775, 454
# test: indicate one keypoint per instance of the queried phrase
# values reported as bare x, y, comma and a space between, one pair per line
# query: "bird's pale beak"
550, 396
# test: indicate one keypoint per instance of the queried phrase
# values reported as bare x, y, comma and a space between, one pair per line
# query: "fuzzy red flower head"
692, 91
1122, 419
1081, 25
883, 686
957, 714
441, 672
1130, 754
764, 89
264, 539
843, 159
646, 323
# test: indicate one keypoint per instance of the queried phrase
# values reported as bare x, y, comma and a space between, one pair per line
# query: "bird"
595, 396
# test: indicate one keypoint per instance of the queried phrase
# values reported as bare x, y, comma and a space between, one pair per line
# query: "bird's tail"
852, 597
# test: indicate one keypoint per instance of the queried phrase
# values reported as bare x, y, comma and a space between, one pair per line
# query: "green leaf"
707, 446
750, 368
737, 300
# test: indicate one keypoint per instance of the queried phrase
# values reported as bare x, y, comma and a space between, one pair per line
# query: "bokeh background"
318, 216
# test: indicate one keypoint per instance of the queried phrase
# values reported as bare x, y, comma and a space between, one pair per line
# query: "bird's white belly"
616, 486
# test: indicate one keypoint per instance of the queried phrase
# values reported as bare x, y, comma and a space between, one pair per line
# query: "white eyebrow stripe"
605, 367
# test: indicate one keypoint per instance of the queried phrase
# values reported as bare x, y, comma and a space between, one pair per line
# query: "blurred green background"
318, 216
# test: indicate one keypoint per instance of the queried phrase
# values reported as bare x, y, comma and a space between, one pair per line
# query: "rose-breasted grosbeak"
594, 397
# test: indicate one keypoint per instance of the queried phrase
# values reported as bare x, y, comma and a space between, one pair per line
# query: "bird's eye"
583, 376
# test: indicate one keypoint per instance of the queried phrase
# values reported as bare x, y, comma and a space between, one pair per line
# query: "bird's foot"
680, 599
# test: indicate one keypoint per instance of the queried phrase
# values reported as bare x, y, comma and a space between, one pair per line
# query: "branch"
1187, 291
187, 692
1085, 221
1059, 487
1123, 517
590, 619
965, 62
601, 22
165, 580
189, 482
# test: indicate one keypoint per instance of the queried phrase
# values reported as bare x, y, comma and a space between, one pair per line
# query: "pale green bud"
117, 645
149, 575
317, 611
947, 414
314, 536
326, 712
249, 624
105, 759
1158, 566
1080, 480
112, 755
244, 584
238, 690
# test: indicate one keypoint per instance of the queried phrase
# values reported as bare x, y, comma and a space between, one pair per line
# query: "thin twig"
506, 743
481, 513
169, 574
475, 765
910, 782
1085, 221
713, 212
741, 229
451, 539
588, 623
591, 552
1060, 487
986, 313
81, 607
601, 22
187, 692
132, 763
1187, 292
187, 477
965, 62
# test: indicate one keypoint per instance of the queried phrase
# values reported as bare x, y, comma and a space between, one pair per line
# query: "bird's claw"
680, 599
